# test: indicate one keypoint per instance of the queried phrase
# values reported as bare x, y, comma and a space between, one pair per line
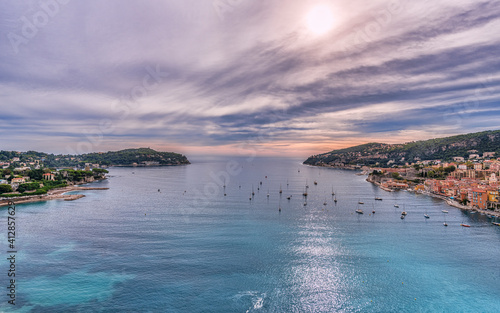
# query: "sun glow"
320, 19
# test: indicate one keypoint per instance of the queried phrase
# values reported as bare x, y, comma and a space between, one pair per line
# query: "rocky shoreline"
54, 194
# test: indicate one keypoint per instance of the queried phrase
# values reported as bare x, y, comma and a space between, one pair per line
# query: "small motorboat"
464, 225
444, 211
402, 217
359, 211
404, 213
379, 199
444, 224
427, 216
396, 206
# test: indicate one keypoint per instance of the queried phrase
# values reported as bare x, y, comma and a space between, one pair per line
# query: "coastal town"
465, 182
33, 176
29, 178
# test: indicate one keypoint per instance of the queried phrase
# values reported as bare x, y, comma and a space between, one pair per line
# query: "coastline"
352, 168
54, 194
448, 201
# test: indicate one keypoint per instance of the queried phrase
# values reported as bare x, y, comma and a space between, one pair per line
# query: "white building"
493, 178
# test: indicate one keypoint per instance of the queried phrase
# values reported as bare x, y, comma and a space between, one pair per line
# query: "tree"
464, 201
395, 175
35, 174
449, 169
4, 188
28, 187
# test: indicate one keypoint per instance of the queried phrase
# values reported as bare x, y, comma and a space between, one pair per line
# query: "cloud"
188, 73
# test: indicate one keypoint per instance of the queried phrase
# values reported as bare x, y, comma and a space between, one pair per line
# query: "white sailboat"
358, 210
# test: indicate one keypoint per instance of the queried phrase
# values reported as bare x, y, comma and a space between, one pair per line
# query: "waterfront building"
479, 198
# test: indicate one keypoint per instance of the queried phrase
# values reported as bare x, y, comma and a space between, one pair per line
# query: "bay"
167, 239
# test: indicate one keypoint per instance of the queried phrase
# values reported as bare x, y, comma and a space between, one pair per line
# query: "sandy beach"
54, 194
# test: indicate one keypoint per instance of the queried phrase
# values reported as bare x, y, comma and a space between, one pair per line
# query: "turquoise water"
189, 248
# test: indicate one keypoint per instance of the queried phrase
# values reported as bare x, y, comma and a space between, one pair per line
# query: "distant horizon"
243, 153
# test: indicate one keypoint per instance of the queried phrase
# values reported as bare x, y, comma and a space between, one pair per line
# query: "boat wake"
257, 299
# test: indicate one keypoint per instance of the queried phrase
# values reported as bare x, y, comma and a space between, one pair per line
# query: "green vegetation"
138, 156
38, 186
397, 176
34, 166
47, 185
4, 188
124, 158
36, 174
27, 187
449, 169
398, 154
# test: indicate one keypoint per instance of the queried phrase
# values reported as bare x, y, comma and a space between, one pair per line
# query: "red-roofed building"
49, 176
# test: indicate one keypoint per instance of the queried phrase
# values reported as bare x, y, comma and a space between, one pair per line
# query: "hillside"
128, 157
434, 149
144, 156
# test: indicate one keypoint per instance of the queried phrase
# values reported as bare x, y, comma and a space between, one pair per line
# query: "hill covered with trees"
141, 156
381, 154
128, 157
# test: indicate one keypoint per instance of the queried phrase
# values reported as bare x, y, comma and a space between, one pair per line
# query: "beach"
54, 194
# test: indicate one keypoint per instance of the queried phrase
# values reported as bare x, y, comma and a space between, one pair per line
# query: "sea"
174, 239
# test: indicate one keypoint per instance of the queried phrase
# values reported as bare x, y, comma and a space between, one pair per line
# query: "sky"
236, 77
